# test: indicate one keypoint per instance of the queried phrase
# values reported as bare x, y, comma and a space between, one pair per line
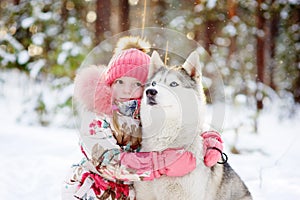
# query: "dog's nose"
151, 92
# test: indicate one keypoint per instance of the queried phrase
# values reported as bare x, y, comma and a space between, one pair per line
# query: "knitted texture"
131, 63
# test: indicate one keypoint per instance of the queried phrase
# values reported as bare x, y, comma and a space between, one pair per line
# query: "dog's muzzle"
151, 94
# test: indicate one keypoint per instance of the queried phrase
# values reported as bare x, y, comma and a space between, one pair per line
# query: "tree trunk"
296, 85
64, 15
16, 2
231, 13
209, 34
103, 19
260, 59
124, 15
273, 35
231, 8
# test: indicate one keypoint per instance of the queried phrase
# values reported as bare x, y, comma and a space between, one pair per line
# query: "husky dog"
172, 115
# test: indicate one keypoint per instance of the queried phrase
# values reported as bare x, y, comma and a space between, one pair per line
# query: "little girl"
112, 138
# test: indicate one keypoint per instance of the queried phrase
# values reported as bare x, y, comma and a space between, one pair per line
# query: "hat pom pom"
90, 90
134, 42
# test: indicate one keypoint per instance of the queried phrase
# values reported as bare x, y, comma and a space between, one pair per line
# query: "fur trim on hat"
132, 42
90, 90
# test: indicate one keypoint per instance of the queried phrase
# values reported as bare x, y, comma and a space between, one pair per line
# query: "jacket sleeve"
96, 132
108, 165
145, 166
102, 151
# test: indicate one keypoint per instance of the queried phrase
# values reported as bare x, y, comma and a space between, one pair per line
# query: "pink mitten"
173, 162
211, 142
151, 165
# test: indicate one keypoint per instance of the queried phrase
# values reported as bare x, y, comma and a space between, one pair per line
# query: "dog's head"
172, 110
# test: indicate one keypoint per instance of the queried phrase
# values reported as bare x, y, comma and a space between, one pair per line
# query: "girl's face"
126, 88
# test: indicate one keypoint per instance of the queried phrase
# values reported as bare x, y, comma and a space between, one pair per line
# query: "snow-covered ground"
35, 160
269, 160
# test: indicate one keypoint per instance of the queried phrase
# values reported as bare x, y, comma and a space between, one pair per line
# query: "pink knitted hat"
93, 84
131, 62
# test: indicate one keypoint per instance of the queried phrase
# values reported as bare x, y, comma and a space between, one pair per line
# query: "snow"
23, 57
45, 16
75, 51
284, 14
35, 159
211, 4
230, 30
66, 46
87, 41
268, 162
35, 67
27, 22
178, 22
199, 8
38, 38
295, 2
13, 41
52, 30
7, 57
62, 57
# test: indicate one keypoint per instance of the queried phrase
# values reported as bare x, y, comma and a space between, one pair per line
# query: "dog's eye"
174, 84
153, 83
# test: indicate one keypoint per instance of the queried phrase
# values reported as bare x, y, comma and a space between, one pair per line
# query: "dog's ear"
155, 64
192, 66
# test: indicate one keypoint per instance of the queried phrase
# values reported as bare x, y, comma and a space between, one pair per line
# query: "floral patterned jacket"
100, 174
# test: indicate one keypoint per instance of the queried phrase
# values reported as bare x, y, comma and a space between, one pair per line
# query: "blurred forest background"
255, 44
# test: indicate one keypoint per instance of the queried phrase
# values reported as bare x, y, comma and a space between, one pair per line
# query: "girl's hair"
127, 134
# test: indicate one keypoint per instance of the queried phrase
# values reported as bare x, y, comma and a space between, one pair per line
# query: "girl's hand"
212, 147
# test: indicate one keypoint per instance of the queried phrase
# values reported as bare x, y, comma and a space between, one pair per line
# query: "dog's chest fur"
159, 133
185, 187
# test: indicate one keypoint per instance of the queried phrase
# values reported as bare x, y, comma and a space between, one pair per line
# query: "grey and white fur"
172, 116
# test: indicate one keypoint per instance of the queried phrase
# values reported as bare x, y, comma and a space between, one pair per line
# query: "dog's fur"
172, 115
